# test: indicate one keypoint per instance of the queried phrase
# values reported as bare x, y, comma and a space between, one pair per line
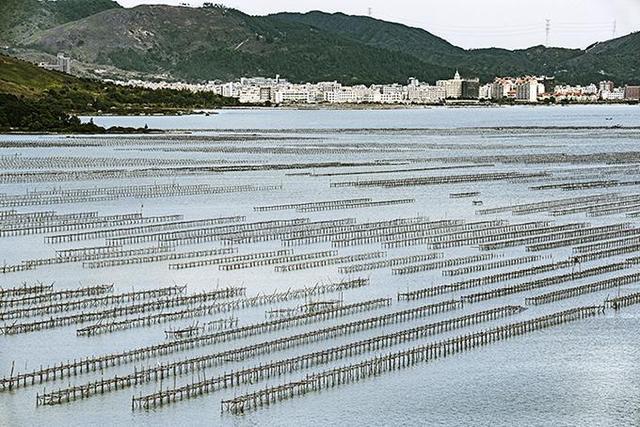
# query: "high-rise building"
452, 87
502, 87
470, 89
265, 94
64, 63
549, 83
527, 90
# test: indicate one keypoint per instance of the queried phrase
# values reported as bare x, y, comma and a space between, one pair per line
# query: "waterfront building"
617, 94
249, 95
486, 91
339, 96
606, 86
291, 94
548, 83
503, 87
632, 93
426, 94
392, 94
527, 89
256, 90
470, 89
265, 94
452, 87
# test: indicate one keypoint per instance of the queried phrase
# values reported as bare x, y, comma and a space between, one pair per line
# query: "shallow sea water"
581, 373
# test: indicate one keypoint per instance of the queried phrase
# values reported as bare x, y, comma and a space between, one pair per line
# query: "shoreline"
357, 107
372, 107
125, 130
179, 131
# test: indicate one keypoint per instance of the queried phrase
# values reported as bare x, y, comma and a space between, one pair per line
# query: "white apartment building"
486, 91
426, 94
392, 94
258, 90
231, 90
362, 94
615, 94
503, 88
528, 90
453, 87
291, 95
249, 95
339, 96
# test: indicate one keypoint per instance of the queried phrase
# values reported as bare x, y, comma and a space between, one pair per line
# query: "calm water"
588, 115
583, 373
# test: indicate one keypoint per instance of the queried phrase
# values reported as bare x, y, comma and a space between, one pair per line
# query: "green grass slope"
25, 79
73, 95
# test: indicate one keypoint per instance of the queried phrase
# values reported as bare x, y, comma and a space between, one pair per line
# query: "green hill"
25, 79
219, 43
21, 19
615, 59
222, 43
381, 34
35, 99
394, 37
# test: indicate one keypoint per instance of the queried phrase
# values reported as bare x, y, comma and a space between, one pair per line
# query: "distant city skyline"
473, 24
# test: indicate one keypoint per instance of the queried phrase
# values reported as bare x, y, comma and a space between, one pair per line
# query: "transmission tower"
615, 28
369, 11
547, 30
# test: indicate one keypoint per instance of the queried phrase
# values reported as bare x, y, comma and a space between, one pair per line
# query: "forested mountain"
225, 44
215, 42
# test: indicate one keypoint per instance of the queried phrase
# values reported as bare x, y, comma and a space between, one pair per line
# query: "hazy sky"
473, 23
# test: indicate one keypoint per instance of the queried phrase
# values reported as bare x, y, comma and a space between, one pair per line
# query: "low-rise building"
616, 94
291, 94
255, 90
426, 94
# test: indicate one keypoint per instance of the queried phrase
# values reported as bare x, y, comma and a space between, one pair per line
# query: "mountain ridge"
224, 43
20, 19
196, 44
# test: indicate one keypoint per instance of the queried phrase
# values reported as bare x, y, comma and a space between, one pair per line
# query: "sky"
510, 24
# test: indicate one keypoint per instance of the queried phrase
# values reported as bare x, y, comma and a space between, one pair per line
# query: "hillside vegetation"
214, 42
21, 19
617, 59
221, 43
35, 99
